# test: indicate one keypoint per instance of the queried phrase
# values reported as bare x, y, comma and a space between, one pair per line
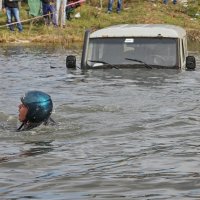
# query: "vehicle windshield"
160, 52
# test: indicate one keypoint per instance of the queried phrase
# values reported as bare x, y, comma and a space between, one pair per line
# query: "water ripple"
120, 134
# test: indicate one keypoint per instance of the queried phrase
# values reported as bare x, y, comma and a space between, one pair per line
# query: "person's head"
36, 107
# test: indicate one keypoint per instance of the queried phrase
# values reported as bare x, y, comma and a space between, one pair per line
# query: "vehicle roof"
140, 30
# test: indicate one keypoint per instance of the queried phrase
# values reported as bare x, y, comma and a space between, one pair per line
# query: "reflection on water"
121, 134
39, 148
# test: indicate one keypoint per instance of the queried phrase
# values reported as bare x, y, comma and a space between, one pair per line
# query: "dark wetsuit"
28, 126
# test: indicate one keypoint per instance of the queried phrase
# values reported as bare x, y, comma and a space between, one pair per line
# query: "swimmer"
35, 109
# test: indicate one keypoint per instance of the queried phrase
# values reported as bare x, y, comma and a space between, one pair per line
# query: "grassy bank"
94, 17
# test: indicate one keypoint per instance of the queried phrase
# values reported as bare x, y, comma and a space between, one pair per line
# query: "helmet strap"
52, 121
20, 127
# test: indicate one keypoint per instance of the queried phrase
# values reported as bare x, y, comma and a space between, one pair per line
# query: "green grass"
92, 17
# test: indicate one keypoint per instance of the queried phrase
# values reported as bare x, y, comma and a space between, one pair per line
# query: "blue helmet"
39, 106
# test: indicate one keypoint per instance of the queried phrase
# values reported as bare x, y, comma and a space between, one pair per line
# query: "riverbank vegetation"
93, 16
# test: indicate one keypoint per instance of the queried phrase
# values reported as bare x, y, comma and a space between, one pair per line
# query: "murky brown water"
121, 134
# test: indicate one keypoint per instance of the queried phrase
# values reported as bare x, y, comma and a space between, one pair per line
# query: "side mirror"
71, 61
190, 62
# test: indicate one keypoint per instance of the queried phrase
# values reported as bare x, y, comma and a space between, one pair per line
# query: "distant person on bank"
60, 12
165, 1
0, 5
12, 10
110, 5
48, 10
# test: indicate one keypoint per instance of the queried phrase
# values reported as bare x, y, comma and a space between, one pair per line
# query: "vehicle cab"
136, 46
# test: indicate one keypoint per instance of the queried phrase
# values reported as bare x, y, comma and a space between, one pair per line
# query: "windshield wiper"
103, 62
139, 61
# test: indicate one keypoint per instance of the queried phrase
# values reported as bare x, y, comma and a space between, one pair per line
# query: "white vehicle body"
135, 46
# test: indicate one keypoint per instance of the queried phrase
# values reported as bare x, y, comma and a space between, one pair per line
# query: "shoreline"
65, 40
193, 35
94, 18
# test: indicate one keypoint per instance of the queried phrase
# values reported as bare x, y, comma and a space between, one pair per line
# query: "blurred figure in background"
0, 5
12, 10
60, 12
165, 1
48, 9
110, 5
70, 8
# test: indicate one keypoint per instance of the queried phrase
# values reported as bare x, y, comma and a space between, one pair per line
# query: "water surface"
121, 134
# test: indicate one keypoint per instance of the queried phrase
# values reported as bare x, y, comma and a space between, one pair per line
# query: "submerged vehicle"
135, 46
